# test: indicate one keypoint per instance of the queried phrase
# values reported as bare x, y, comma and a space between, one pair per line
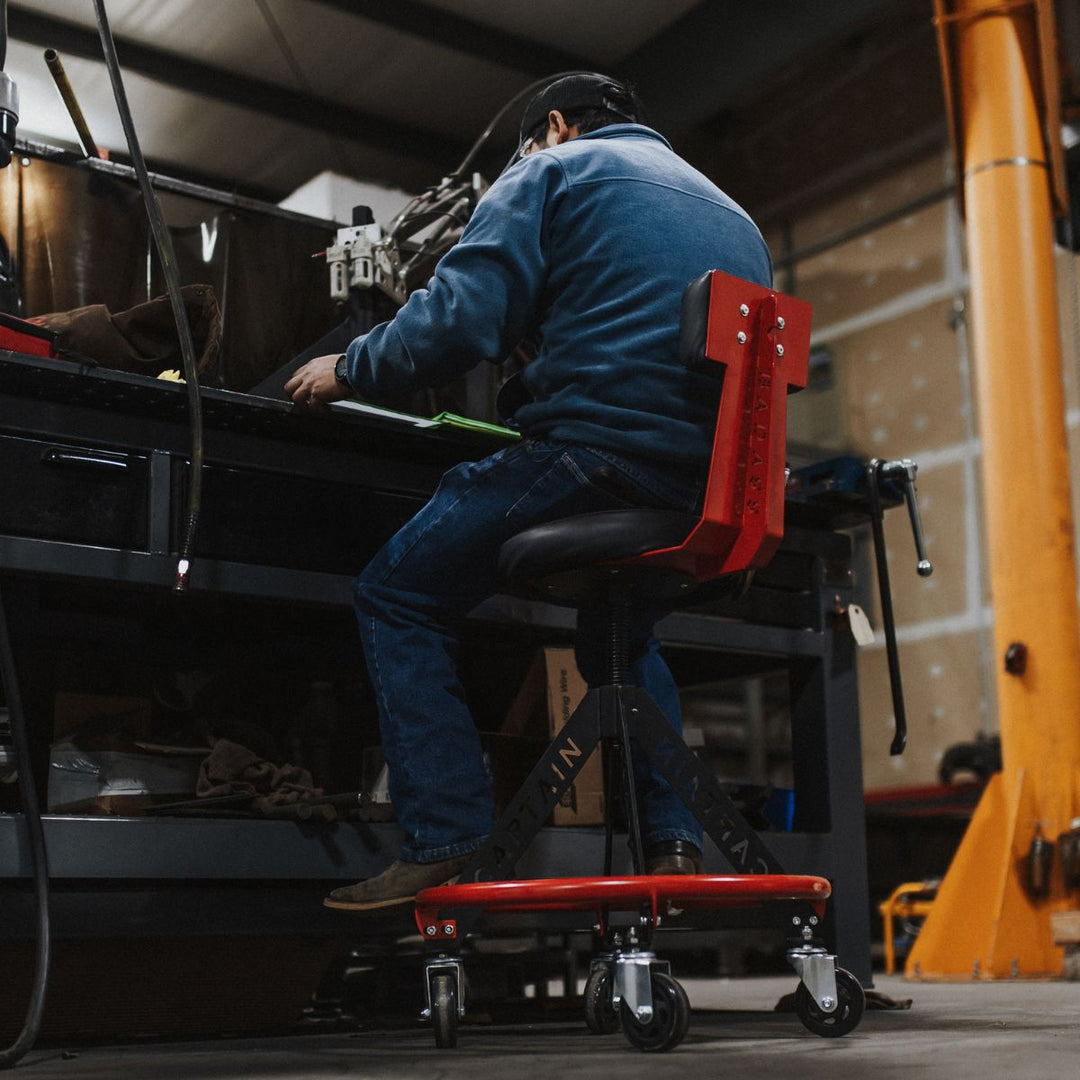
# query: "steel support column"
1001, 84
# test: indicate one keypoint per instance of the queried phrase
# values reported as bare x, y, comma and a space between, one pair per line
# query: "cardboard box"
79, 776
99, 763
549, 694
133, 716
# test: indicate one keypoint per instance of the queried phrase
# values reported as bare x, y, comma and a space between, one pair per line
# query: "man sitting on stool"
583, 246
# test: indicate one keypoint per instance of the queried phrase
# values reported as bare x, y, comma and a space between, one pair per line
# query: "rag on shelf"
232, 769
143, 338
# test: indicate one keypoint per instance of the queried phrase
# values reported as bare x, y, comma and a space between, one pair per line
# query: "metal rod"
633, 816
167, 257
160, 182
903, 473
608, 756
873, 478
56, 69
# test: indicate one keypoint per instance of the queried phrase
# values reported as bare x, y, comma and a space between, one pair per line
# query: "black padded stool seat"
570, 560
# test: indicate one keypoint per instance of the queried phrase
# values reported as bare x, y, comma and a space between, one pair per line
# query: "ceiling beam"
270, 99
724, 52
463, 35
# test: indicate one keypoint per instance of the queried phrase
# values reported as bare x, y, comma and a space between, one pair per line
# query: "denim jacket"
584, 248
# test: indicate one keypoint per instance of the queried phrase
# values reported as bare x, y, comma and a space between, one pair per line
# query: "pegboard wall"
895, 379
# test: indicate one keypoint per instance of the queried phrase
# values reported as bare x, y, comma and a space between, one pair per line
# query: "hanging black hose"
9, 96
38, 856
31, 813
167, 257
528, 91
417, 209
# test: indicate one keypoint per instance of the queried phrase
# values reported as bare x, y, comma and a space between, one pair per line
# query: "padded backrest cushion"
694, 326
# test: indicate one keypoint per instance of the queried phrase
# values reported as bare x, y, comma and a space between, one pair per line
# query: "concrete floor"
958, 1031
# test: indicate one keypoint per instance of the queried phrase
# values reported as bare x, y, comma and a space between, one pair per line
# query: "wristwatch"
339, 372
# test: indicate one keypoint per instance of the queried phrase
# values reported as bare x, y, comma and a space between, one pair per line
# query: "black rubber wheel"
683, 1012
851, 1001
444, 1010
600, 1012
670, 1019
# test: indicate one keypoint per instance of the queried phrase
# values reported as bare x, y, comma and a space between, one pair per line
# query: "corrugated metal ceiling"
265, 94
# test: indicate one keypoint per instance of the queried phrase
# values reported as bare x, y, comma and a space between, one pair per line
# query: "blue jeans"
412, 597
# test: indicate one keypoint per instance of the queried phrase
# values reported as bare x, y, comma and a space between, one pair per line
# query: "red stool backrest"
762, 340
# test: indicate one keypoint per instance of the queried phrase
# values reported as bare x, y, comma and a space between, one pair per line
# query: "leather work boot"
397, 884
673, 857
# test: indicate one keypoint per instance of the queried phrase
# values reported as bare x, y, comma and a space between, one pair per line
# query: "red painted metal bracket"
762, 339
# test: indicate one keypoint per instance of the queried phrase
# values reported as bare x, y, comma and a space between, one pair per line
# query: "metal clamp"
879, 475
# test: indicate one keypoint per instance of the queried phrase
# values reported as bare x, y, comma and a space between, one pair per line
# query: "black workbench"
92, 481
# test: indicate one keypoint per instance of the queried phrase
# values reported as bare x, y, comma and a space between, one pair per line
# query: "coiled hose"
38, 856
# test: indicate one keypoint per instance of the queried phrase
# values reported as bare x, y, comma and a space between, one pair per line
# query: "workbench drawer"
286, 520
75, 493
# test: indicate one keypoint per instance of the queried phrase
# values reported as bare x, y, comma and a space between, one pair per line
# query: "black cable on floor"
38, 856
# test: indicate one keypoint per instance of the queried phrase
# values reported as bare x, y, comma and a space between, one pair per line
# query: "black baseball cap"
572, 93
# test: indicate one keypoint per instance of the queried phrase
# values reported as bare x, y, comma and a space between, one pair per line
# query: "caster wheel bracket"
440, 965
632, 984
817, 970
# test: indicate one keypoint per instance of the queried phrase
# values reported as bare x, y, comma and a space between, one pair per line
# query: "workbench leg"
827, 759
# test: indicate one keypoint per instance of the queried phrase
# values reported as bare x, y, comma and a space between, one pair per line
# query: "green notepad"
444, 419
450, 419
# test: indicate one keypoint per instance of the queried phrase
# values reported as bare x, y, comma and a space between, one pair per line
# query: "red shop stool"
757, 341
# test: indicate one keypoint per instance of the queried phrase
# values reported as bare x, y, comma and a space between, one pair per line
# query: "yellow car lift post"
1002, 94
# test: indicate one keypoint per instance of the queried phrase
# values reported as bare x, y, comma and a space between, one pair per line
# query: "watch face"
339, 370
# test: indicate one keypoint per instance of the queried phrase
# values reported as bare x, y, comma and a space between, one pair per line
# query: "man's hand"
314, 385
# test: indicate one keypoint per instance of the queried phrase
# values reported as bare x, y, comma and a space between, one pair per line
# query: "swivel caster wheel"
850, 1003
601, 1016
444, 1009
670, 1020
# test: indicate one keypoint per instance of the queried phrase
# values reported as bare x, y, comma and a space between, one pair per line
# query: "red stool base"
615, 893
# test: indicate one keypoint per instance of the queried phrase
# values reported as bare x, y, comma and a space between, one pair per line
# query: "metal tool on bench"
857, 491
758, 340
